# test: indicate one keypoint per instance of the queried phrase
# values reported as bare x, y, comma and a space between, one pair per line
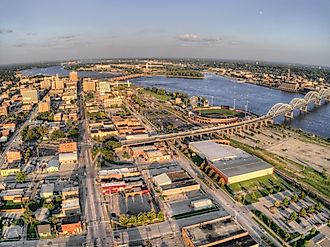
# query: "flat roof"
70, 203
231, 168
213, 231
214, 151
47, 188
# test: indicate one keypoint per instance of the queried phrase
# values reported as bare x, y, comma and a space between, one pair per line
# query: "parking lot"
281, 214
166, 122
131, 205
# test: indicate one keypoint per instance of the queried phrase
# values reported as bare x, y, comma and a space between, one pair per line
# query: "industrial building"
175, 182
223, 232
231, 164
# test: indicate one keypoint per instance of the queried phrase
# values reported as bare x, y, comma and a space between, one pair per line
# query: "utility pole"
234, 104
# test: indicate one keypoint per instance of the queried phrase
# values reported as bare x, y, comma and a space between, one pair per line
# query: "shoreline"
261, 85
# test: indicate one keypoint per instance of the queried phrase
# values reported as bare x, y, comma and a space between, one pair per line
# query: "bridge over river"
313, 97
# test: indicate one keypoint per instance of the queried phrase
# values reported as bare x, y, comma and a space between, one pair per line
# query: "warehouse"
221, 232
231, 164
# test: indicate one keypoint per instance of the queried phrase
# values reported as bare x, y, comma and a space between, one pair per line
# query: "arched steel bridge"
313, 97
277, 110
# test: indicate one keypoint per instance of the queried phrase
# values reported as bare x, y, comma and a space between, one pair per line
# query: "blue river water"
223, 91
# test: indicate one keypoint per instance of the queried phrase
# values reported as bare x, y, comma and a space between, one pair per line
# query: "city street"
97, 232
239, 212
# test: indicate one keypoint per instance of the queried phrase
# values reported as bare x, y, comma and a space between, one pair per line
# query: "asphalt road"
240, 213
97, 232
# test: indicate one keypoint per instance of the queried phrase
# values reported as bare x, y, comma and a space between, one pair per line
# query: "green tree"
313, 231
20, 177
311, 209
319, 206
73, 133
126, 155
294, 197
160, 216
123, 220
302, 212
293, 216
27, 154
286, 202
57, 134
302, 195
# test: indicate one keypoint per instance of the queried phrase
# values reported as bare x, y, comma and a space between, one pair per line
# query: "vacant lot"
290, 145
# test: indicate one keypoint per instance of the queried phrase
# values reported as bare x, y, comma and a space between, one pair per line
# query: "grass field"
218, 113
162, 98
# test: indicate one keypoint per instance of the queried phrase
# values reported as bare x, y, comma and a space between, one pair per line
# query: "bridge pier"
317, 102
288, 115
303, 108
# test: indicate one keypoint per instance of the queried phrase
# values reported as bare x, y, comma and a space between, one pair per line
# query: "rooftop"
214, 151
212, 233
241, 166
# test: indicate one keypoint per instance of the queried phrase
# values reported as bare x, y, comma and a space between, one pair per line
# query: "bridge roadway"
203, 131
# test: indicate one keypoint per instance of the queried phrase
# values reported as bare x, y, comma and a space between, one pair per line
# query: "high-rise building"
104, 87
57, 83
89, 85
73, 76
29, 96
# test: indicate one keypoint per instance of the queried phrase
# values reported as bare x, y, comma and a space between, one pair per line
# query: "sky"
295, 31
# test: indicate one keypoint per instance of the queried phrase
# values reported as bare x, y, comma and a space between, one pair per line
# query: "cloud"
31, 34
196, 38
67, 37
5, 30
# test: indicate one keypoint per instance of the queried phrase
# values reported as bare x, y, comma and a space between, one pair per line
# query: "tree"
319, 206
286, 202
50, 206
54, 220
46, 116
293, 216
123, 220
313, 231
302, 195
160, 216
20, 177
126, 155
73, 133
302, 212
57, 134
27, 154
294, 197
311, 209
58, 199
254, 196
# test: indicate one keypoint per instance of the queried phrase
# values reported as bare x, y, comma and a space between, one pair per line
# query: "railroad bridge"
312, 97
278, 109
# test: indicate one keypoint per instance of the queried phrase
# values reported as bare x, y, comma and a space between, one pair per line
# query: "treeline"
162, 91
184, 73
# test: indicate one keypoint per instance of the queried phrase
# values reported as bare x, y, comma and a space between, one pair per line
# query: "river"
259, 99
223, 91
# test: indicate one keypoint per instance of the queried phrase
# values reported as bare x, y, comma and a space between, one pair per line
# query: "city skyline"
288, 32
